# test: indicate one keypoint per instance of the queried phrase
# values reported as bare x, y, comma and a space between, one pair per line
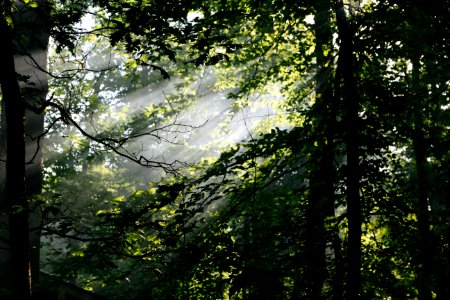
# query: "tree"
28, 87
15, 168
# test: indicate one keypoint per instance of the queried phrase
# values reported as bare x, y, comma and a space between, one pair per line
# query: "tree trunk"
22, 49
322, 177
15, 200
33, 24
350, 100
5, 283
424, 276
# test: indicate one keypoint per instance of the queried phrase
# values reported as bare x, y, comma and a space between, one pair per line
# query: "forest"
224, 149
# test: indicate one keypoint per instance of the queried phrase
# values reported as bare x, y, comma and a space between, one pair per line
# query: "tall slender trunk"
424, 278
15, 201
350, 100
31, 61
4, 232
24, 45
321, 201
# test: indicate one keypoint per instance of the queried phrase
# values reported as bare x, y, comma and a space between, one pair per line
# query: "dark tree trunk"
350, 100
23, 171
4, 232
424, 276
322, 177
15, 200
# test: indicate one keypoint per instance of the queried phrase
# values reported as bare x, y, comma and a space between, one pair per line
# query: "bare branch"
116, 144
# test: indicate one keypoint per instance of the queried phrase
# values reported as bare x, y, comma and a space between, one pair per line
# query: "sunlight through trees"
224, 149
